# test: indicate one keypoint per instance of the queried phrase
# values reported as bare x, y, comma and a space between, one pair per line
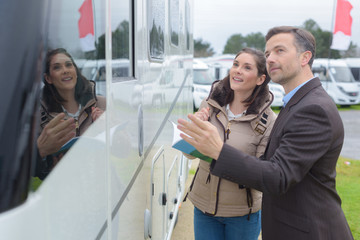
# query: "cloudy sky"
216, 21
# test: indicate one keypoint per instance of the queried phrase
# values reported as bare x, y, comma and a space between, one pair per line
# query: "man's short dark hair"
304, 40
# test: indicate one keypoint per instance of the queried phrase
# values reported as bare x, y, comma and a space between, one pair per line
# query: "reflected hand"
204, 136
55, 134
203, 114
96, 113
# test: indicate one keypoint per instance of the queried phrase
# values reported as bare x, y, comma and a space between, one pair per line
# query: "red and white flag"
342, 27
86, 26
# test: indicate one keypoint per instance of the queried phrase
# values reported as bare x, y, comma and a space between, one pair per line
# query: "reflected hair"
304, 40
50, 95
259, 90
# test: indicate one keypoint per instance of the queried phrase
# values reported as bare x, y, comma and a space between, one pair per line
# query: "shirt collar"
288, 96
230, 114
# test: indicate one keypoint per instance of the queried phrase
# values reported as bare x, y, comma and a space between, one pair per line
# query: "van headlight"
342, 89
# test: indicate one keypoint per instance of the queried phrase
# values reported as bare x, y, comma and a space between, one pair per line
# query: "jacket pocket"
292, 220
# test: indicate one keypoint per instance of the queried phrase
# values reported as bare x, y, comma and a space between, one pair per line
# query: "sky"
216, 21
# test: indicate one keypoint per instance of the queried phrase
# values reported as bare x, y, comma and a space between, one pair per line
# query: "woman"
66, 95
239, 106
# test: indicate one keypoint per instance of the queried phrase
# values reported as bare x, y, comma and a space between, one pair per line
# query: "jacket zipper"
228, 131
77, 129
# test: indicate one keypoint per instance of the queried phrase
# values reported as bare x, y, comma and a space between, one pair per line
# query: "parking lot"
351, 147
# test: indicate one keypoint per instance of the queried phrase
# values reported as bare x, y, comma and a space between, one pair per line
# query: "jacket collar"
315, 82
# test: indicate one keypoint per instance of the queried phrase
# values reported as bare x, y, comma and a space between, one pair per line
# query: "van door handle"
140, 131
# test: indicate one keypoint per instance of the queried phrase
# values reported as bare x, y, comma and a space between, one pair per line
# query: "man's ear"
305, 58
47, 79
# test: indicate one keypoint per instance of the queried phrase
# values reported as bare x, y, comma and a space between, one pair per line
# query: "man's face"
282, 58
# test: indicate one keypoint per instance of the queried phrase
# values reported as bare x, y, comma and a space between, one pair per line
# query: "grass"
352, 107
348, 187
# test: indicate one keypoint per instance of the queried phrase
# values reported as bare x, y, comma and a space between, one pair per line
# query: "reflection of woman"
239, 106
66, 95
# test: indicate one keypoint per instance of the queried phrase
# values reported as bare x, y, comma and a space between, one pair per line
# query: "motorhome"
202, 82
121, 179
337, 80
278, 93
354, 65
220, 65
96, 70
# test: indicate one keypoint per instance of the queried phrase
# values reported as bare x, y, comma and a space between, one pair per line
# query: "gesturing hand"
55, 134
204, 136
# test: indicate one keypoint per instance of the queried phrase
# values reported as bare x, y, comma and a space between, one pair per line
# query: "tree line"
236, 42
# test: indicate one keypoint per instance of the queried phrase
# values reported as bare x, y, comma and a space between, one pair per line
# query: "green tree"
234, 44
255, 40
323, 42
202, 49
237, 42
120, 43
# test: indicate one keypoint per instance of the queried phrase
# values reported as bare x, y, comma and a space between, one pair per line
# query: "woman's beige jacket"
249, 133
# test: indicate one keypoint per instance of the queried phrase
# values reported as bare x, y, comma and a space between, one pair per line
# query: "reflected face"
282, 59
62, 73
244, 74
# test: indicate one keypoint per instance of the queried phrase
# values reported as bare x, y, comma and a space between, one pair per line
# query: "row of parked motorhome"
340, 78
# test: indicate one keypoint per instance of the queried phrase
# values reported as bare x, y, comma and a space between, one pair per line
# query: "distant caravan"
121, 179
337, 80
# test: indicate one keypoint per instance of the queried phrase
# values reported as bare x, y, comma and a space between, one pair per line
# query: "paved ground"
184, 229
351, 149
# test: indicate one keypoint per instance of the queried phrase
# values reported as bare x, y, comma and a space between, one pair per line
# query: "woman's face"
244, 74
62, 73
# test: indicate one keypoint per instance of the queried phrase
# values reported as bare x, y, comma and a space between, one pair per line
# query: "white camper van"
202, 81
220, 65
337, 80
278, 92
121, 179
354, 65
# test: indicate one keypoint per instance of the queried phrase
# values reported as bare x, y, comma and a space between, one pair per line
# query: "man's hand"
55, 134
204, 136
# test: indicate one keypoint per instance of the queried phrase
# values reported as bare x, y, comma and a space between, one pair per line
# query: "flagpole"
332, 28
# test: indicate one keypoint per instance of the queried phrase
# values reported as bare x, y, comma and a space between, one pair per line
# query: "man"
297, 172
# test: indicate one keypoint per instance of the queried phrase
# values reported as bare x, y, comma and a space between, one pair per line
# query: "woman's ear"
261, 80
47, 79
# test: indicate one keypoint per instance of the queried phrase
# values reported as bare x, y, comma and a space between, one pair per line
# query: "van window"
342, 74
122, 32
174, 16
356, 73
187, 24
156, 10
203, 76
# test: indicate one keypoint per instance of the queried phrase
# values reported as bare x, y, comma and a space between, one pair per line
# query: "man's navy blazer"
297, 172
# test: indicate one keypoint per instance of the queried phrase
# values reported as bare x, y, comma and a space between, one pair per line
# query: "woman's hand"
203, 114
96, 113
55, 134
